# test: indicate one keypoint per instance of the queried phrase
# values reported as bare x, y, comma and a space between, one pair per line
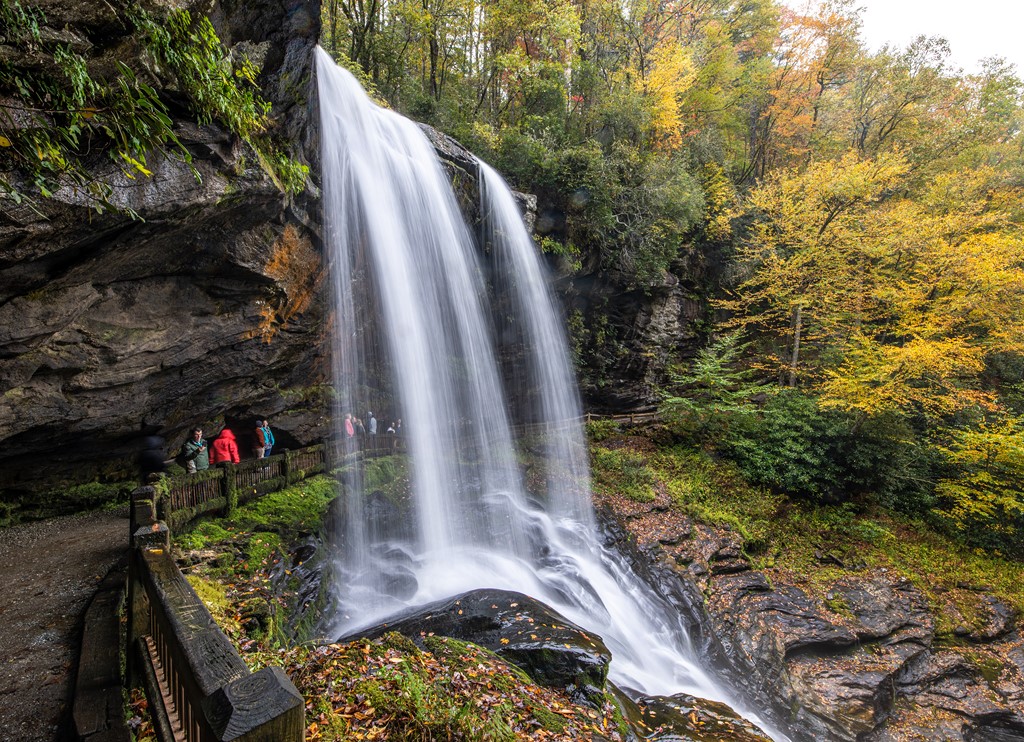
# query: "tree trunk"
797, 318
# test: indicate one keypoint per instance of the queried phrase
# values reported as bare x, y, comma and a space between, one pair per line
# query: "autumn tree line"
866, 334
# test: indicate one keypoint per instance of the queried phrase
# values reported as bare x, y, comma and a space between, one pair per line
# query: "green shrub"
600, 430
795, 447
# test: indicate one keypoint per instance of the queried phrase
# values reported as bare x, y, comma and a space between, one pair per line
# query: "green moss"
214, 597
299, 508
989, 667
203, 535
261, 548
838, 605
387, 474
621, 471
549, 720
61, 500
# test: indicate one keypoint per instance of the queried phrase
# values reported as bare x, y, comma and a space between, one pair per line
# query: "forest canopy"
865, 207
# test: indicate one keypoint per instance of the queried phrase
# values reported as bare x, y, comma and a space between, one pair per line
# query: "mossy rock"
550, 649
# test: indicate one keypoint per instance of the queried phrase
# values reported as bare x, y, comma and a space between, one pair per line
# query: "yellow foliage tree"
990, 485
670, 74
879, 299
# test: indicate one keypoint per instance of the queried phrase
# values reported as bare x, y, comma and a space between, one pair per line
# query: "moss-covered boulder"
548, 647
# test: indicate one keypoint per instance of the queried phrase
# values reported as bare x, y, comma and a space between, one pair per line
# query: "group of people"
197, 454
354, 426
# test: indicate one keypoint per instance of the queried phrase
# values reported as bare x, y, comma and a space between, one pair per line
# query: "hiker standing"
194, 452
225, 448
259, 442
268, 437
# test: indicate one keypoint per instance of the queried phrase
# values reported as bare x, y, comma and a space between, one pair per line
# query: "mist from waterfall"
471, 347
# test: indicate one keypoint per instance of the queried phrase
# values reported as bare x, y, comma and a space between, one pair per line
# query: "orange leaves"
295, 265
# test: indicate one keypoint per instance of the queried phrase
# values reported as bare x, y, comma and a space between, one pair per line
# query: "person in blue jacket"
268, 437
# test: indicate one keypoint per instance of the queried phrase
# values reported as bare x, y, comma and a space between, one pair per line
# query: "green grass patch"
621, 471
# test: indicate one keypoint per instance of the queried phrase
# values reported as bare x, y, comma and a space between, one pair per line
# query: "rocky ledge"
204, 305
556, 653
856, 659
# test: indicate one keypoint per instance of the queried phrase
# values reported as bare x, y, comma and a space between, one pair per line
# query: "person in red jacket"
224, 448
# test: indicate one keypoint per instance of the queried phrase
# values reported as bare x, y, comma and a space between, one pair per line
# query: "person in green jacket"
195, 453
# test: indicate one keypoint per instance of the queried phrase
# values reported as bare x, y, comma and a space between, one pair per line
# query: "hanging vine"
56, 114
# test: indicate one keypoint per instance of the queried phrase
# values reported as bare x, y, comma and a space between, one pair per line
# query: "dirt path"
48, 573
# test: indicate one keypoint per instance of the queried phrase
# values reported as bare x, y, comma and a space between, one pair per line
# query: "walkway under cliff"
48, 573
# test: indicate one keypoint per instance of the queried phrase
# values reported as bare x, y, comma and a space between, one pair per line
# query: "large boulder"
548, 647
685, 718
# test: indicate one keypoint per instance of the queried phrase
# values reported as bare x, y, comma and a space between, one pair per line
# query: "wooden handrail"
207, 693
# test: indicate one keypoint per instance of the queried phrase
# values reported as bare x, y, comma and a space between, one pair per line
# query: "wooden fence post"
286, 468
230, 489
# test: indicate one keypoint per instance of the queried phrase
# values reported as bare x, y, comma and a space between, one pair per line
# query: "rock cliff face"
861, 662
627, 339
206, 306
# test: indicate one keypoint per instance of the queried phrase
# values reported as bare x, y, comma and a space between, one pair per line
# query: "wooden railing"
199, 689
220, 489
196, 490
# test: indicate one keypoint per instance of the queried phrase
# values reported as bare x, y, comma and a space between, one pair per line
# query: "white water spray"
414, 315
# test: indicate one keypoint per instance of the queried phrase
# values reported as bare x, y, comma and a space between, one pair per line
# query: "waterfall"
451, 331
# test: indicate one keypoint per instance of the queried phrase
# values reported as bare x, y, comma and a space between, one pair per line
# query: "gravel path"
48, 574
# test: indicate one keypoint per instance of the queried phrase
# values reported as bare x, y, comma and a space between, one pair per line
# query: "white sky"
975, 29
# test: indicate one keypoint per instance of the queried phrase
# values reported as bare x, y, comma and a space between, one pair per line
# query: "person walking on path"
268, 436
350, 429
151, 457
372, 422
259, 443
194, 452
224, 449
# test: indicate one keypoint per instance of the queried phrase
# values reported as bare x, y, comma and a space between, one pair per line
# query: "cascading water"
413, 315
